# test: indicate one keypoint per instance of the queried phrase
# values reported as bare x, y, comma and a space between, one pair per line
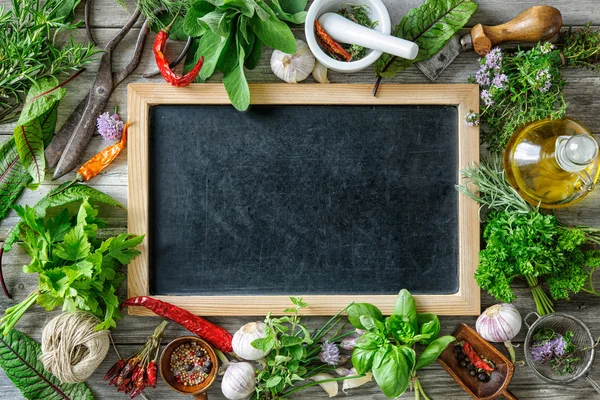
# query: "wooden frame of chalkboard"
466, 301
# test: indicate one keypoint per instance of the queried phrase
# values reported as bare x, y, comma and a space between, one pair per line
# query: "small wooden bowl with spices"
189, 365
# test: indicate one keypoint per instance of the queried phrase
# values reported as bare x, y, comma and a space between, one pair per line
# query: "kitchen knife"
532, 25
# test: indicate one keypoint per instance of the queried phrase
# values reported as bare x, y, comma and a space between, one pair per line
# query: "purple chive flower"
110, 127
545, 350
493, 60
499, 81
544, 80
330, 353
472, 119
483, 76
486, 97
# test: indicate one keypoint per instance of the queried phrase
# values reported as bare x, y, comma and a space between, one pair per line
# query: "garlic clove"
354, 383
243, 338
319, 73
293, 68
239, 381
331, 388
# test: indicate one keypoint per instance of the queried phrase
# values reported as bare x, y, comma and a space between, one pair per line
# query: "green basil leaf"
362, 360
406, 307
429, 325
357, 309
371, 323
236, 84
30, 146
369, 341
20, 359
430, 26
400, 328
433, 351
253, 58
274, 33
391, 371
410, 355
13, 177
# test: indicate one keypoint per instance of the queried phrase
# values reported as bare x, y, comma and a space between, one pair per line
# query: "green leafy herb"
357, 13
430, 26
13, 176
76, 270
386, 348
580, 47
230, 35
293, 353
20, 359
518, 88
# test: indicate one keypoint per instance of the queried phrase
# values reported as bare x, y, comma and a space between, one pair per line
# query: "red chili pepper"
127, 370
475, 359
114, 370
123, 386
214, 334
160, 44
151, 374
138, 375
331, 45
114, 380
137, 391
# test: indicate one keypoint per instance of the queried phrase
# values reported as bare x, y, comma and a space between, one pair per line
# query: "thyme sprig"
580, 47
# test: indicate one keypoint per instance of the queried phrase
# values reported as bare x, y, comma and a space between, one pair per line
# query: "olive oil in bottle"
553, 163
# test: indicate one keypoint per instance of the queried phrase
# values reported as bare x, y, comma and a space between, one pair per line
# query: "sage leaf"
20, 359
13, 176
293, 6
211, 46
430, 26
253, 58
30, 146
58, 197
236, 84
191, 24
274, 33
228, 59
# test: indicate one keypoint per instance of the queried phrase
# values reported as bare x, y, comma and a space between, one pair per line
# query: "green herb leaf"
42, 97
191, 24
75, 246
13, 176
433, 351
362, 360
400, 328
429, 324
236, 85
30, 146
274, 33
406, 307
390, 370
48, 124
357, 309
229, 55
253, 58
20, 359
430, 26
293, 6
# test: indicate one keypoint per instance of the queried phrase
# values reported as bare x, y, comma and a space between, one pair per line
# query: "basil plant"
387, 348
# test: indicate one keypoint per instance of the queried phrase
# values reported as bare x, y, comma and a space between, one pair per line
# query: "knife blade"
532, 25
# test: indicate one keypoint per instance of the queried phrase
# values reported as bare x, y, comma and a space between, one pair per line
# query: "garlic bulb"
330, 387
239, 381
500, 323
319, 73
293, 68
242, 341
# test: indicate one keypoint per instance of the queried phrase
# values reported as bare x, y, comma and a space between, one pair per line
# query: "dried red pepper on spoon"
160, 44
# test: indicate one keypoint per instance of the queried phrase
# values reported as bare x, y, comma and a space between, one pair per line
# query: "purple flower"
545, 350
486, 97
483, 76
472, 119
110, 127
546, 48
544, 80
499, 81
330, 353
493, 60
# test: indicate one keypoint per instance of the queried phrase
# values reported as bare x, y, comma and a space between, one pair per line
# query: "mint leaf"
274, 33
20, 359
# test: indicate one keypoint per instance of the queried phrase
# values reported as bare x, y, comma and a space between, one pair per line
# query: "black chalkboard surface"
302, 199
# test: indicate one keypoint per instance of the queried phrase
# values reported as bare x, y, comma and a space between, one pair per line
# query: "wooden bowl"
198, 391
500, 377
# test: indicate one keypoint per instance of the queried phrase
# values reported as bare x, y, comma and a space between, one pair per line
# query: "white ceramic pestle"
345, 31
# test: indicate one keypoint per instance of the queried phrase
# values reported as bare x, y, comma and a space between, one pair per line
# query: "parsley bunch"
518, 88
76, 270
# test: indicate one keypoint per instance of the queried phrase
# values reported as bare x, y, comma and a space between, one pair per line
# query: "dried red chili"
331, 45
160, 44
151, 374
475, 359
114, 370
137, 391
215, 335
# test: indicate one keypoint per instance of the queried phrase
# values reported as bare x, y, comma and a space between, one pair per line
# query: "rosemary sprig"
30, 34
486, 184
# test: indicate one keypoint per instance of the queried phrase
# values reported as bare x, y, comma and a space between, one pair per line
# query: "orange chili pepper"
331, 45
101, 160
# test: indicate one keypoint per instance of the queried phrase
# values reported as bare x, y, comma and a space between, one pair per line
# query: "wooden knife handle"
532, 25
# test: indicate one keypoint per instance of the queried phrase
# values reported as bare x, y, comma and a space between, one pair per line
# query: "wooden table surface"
582, 92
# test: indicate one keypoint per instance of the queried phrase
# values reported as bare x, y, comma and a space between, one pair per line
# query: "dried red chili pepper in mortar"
213, 334
331, 45
160, 44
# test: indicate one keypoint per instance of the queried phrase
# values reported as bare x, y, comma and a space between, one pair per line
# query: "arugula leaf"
20, 359
430, 26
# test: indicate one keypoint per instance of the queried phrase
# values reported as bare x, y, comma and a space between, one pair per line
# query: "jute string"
71, 349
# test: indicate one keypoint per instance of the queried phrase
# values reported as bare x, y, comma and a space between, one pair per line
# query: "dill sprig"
154, 9
486, 183
580, 47
30, 33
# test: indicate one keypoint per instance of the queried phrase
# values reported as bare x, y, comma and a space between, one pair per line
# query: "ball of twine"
71, 349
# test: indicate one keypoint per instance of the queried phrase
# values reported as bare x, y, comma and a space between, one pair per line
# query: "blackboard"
320, 191
303, 199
